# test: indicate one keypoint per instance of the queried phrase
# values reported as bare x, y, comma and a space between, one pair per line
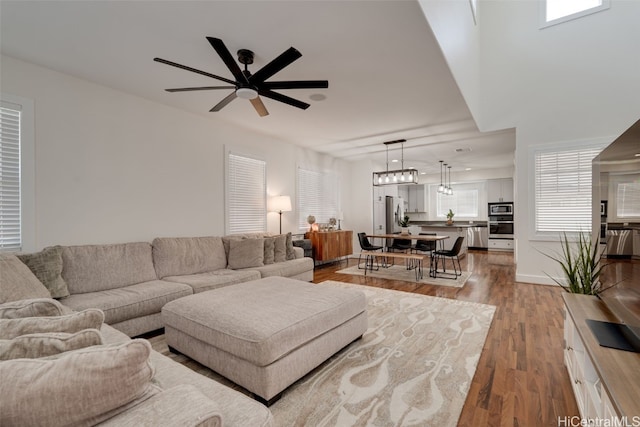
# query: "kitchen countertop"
460, 224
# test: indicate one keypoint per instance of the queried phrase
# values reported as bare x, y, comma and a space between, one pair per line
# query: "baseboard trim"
537, 280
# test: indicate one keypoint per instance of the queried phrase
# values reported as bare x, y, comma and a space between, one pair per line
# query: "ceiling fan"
251, 86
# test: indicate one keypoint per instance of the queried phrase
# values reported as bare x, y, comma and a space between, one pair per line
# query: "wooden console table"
606, 382
328, 245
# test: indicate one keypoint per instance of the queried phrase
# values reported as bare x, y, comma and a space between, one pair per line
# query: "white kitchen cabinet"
501, 244
500, 190
417, 199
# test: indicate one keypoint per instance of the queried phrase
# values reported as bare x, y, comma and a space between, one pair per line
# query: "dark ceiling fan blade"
283, 98
259, 106
296, 84
187, 89
220, 105
229, 61
285, 58
184, 67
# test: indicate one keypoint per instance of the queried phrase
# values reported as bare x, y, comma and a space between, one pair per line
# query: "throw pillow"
90, 318
269, 244
36, 307
47, 267
81, 387
18, 282
170, 405
290, 252
246, 253
42, 345
280, 248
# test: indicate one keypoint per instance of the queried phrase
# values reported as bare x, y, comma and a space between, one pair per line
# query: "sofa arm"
182, 405
302, 248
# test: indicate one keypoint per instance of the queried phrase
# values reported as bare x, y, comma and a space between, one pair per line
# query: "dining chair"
452, 254
365, 245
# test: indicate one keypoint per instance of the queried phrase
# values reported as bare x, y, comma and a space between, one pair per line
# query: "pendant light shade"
398, 176
441, 187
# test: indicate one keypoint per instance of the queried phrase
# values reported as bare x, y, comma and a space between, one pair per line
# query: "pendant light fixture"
449, 189
407, 176
441, 187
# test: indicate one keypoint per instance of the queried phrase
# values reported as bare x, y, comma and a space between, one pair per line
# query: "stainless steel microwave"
500, 209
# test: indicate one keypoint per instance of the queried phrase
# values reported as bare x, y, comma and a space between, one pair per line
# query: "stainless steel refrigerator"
394, 212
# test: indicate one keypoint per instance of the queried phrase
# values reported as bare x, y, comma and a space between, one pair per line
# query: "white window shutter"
10, 213
246, 194
317, 194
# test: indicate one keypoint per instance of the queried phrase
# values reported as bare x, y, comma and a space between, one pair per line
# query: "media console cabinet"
330, 245
606, 382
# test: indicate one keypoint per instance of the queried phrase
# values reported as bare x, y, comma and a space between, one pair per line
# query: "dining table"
421, 237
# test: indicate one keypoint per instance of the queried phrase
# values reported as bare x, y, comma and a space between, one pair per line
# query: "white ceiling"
387, 76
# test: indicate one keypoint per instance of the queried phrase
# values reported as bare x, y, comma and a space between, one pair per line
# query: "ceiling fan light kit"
251, 86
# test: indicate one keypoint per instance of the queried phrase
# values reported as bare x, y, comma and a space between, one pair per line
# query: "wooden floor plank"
521, 379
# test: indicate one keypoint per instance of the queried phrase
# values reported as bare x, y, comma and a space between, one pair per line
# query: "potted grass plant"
581, 264
404, 225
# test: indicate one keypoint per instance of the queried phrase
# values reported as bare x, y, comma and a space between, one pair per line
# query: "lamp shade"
280, 204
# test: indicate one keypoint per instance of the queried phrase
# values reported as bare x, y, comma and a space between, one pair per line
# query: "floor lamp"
280, 204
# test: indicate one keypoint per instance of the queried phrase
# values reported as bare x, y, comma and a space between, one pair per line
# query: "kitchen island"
452, 231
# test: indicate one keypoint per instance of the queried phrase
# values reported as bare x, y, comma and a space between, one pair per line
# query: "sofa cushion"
289, 247
46, 265
269, 248
92, 268
35, 307
215, 279
18, 282
246, 253
105, 380
188, 255
168, 408
288, 268
70, 323
131, 301
32, 346
280, 248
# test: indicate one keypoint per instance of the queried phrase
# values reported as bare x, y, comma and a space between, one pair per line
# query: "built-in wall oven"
500, 220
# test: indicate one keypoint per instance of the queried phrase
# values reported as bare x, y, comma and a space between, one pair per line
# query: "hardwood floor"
521, 379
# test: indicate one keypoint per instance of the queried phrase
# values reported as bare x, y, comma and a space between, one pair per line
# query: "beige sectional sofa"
131, 282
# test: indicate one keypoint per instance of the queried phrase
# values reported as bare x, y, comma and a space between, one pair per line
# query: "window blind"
10, 226
246, 194
316, 194
463, 202
628, 200
563, 190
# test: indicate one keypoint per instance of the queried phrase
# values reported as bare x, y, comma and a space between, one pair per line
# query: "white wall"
111, 167
563, 84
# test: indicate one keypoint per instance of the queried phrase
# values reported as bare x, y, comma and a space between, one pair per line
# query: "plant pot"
449, 222
404, 231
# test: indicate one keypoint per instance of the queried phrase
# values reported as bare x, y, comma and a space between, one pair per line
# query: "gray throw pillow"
289, 247
36, 307
91, 318
46, 265
246, 253
18, 282
32, 346
269, 244
280, 248
80, 387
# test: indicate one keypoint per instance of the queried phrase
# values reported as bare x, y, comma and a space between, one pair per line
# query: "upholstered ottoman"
265, 334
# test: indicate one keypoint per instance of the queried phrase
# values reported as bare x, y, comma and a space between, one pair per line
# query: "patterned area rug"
413, 366
399, 272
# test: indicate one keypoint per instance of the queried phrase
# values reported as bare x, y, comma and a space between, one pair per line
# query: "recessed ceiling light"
423, 173
317, 97
395, 161
463, 150
467, 169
